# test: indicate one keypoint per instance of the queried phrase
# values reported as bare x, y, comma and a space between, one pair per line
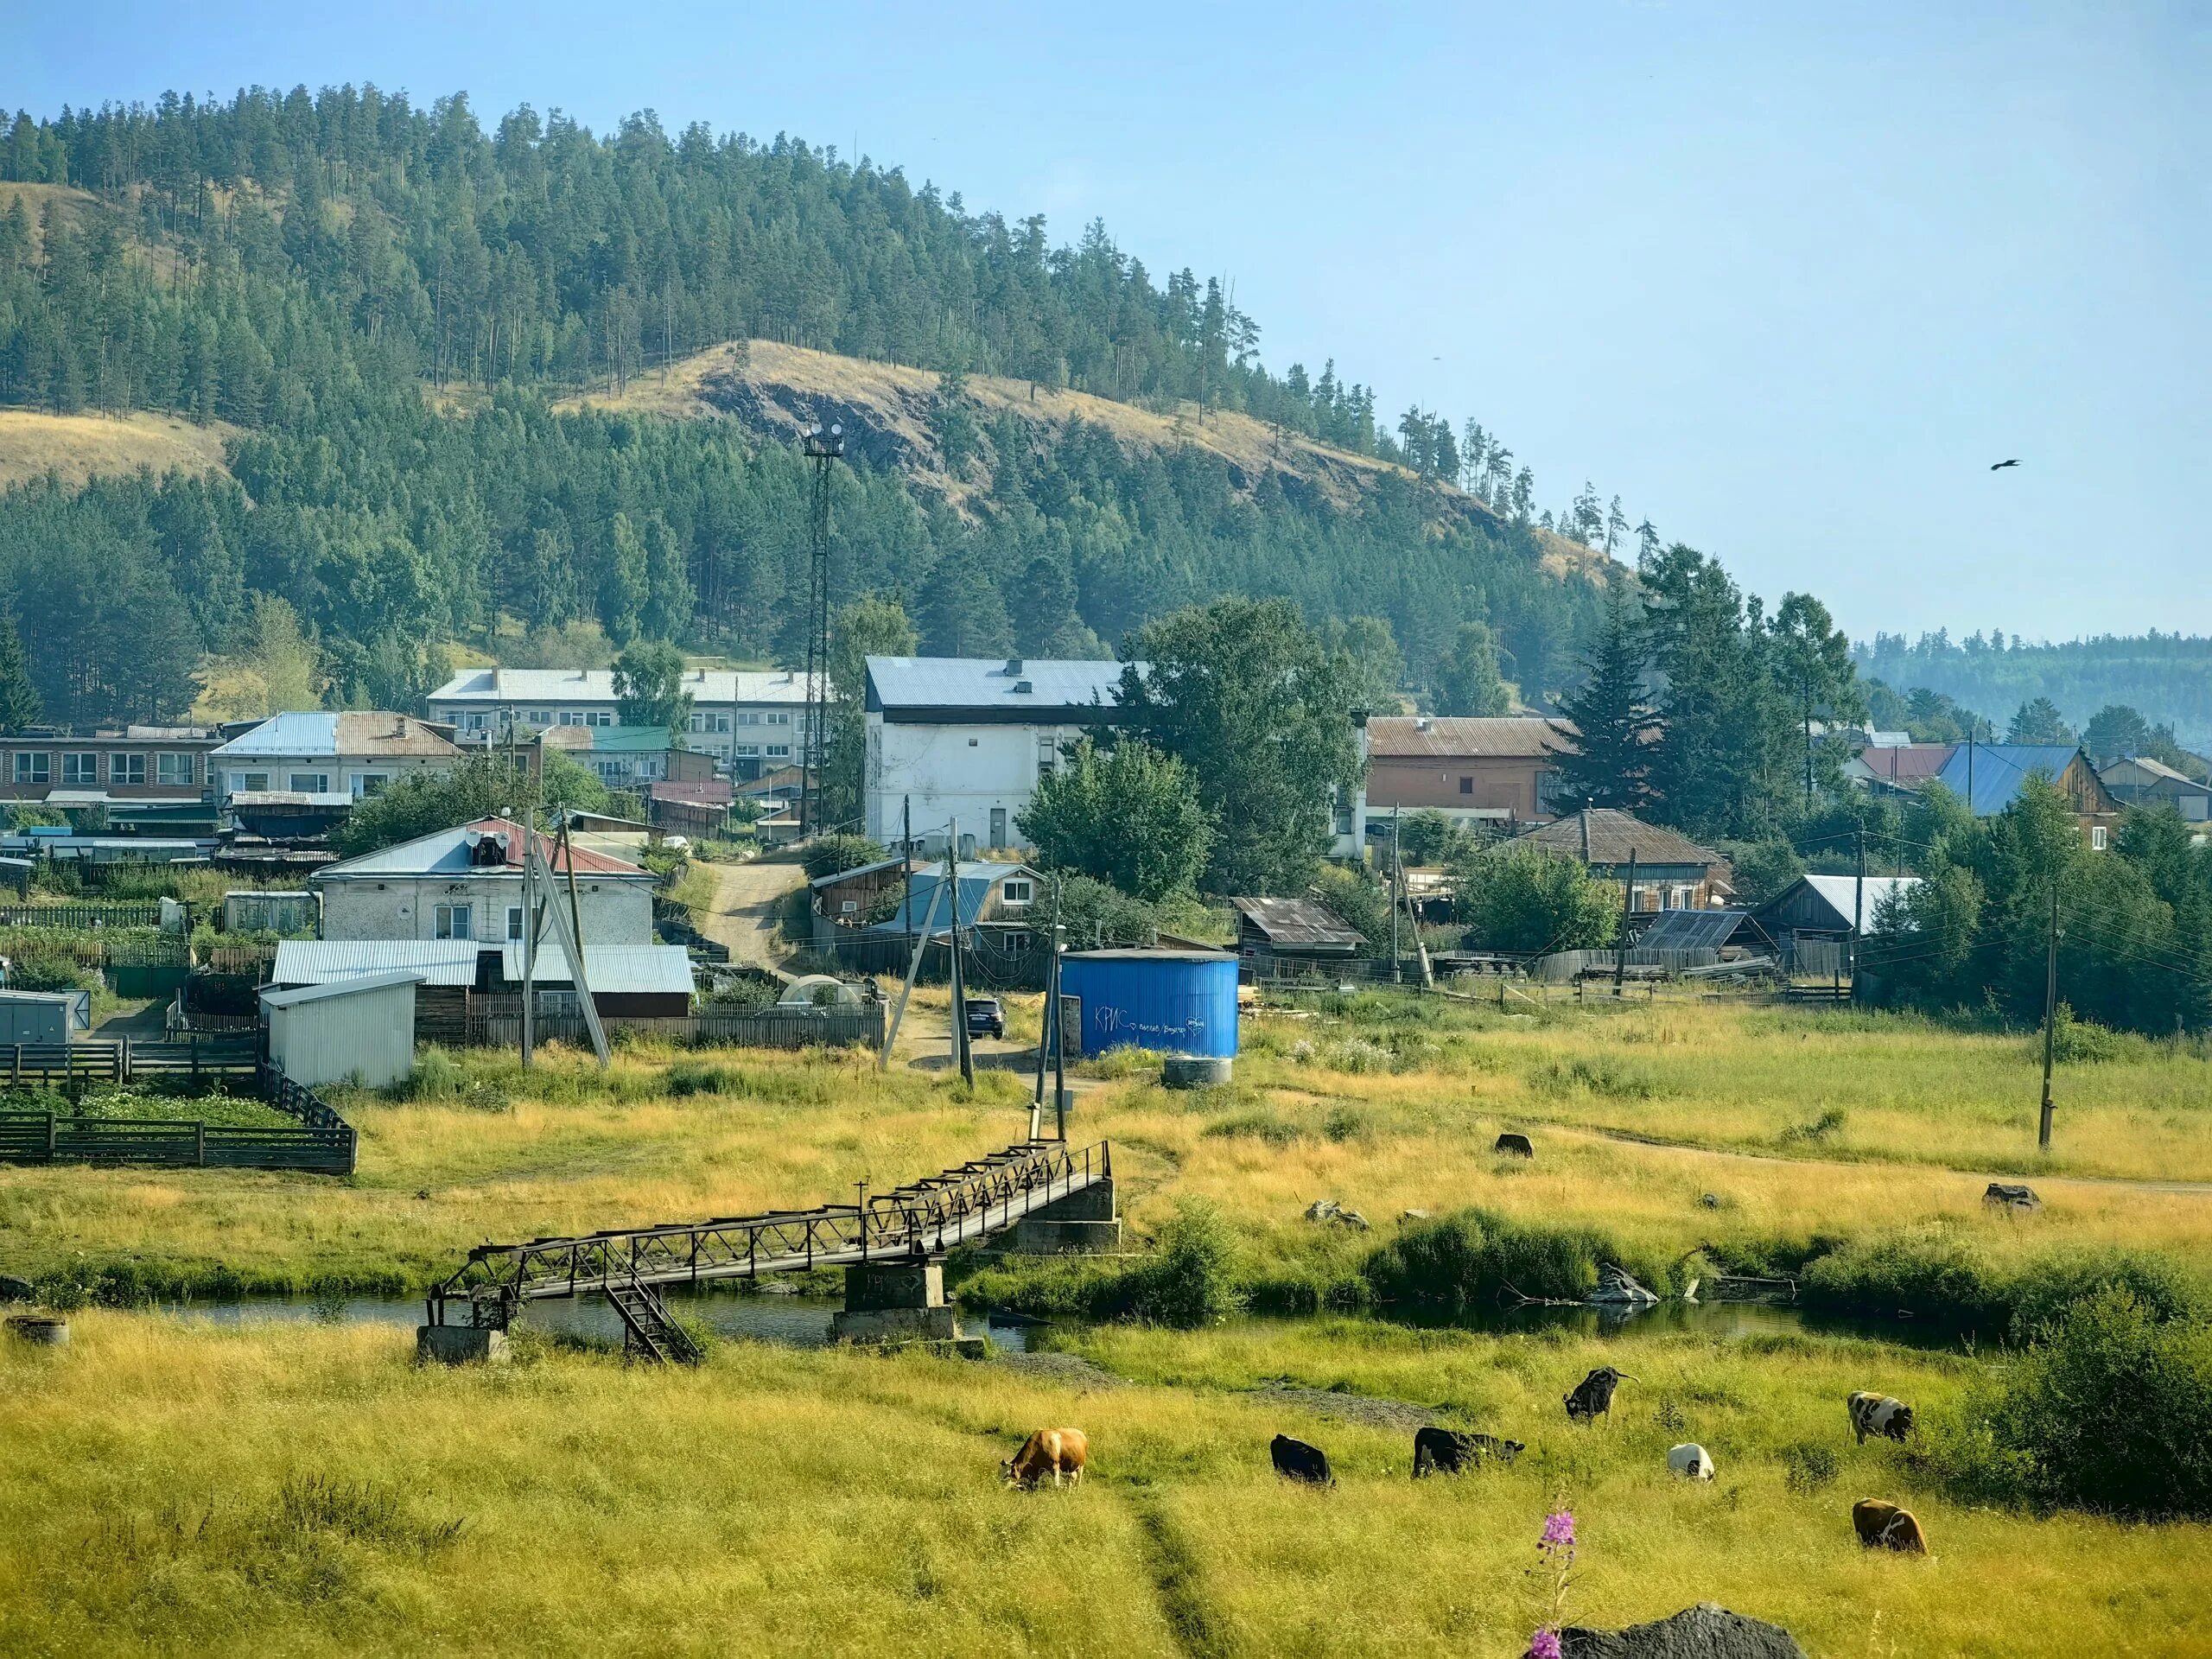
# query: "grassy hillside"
77, 448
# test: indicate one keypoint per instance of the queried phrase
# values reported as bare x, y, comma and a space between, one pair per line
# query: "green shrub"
1193, 1281
687, 1077
2081, 1042
2109, 1409
1600, 1074
1824, 1128
1808, 1467
1258, 1124
1441, 1271
1940, 1275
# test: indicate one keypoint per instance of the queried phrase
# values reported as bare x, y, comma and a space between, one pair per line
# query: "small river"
804, 1321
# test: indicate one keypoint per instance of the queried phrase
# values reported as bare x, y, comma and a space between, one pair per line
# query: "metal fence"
323, 1142
119, 913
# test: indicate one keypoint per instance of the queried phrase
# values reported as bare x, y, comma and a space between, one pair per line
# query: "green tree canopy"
1467, 679
649, 688
1522, 899
2038, 721
1129, 816
1610, 762
19, 700
482, 786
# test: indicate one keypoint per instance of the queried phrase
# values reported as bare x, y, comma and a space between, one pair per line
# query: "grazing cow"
1056, 1452
1692, 1460
1512, 1145
1592, 1397
1879, 1524
1878, 1414
1295, 1460
1445, 1451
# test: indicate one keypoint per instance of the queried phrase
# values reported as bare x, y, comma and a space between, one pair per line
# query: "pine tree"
1610, 762
19, 699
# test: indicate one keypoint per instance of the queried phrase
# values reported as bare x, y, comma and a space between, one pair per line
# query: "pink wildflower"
1559, 1531
1544, 1644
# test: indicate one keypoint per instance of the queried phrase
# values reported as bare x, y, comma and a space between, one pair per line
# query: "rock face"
1328, 1211
1705, 1631
2007, 1195
1616, 1285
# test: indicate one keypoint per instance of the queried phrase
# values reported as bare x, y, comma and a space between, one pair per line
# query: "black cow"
1592, 1397
1445, 1451
1514, 1145
1295, 1460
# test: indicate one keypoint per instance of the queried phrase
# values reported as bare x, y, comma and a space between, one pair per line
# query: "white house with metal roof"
965, 739
467, 883
332, 759
755, 720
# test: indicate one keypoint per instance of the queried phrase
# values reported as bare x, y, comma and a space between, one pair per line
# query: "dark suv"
985, 1017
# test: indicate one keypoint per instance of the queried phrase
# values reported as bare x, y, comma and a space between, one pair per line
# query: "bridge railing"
925, 1218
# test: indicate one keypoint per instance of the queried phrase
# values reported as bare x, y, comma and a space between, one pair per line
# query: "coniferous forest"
383, 304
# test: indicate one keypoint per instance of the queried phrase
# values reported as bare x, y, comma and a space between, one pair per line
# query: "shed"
1296, 928
40, 1017
1176, 1002
359, 1030
255, 909
643, 982
1706, 930
1821, 906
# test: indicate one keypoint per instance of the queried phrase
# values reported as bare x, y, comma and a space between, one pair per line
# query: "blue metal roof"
976, 880
1999, 769
302, 732
990, 684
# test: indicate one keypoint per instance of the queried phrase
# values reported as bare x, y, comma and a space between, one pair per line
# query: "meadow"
173, 1484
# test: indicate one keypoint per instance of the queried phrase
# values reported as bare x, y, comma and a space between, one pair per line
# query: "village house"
298, 773
1671, 871
1494, 771
628, 757
1273, 934
1826, 909
1987, 777
2137, 780
872, 900
1896, 768
467, 883
753, 721
148, 778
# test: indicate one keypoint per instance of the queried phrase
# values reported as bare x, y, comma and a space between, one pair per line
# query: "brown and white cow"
1878, 1414
1056, 1452
1882, 1524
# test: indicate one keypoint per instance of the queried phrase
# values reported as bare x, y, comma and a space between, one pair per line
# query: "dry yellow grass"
82, 447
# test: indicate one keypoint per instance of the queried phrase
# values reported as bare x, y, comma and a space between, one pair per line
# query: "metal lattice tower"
822, 445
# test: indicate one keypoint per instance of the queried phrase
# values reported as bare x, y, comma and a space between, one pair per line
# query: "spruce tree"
19, 699
1610, 762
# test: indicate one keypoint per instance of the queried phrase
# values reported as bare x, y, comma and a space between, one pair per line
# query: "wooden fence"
832, 1027
122, 913
323, 1142
72, 1066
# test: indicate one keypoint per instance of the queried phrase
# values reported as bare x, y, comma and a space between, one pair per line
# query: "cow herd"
1062, 1451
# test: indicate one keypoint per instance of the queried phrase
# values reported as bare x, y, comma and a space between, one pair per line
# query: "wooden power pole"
2050, 1017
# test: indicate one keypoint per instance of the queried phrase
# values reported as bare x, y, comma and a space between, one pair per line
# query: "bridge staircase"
650, 1331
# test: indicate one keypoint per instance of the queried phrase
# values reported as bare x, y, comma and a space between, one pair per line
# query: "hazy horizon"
1786, 284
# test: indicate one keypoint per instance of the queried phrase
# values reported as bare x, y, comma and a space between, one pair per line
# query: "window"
599, 717
249, 781
1017, 892
779, 751
698, 722
81, 768
538, 717
174, 769
1678, 898
366, 784
126, 768
748, 716
1466, 786
452, 921
310, 783
848, 906
572, 717
514, 921
34, 768
780, 717
2097, 838
721, 722
1048, 755
748, 751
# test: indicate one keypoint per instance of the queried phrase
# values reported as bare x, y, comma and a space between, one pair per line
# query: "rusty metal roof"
1300, 922
1464, 737
1613, 836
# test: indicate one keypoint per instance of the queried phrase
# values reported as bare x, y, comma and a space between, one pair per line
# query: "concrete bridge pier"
1082, 1223
894, 1302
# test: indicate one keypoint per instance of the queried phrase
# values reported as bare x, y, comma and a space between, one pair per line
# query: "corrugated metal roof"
450, 852
322, 962
2143, 762
1464, 736
1837, 892
1613, 835
1906, 763
991, 682
305, 733
976, 880
550, 687
1692, 929
350, 987
1300, 922
1999, 769
663, 969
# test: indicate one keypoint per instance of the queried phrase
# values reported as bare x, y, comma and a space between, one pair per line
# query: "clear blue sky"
1787, 279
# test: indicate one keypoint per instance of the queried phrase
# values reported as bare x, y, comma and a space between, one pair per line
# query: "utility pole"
2049, 1017
1628, 904
1397, 889
1858, 911
961, 1049
821, 445
1059, 1039
906, 863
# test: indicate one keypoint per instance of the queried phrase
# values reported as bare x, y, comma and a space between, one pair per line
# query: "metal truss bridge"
914, 1223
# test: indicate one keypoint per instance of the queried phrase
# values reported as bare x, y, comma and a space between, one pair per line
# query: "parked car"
985, 1017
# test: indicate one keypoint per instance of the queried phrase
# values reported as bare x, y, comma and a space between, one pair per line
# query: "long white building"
754, 721
965, 739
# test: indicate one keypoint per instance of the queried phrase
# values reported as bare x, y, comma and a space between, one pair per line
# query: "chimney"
1013, 667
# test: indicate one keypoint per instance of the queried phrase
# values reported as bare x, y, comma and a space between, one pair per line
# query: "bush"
830, 854
2110, 1409
1938, 1274
1258, 1124
1441, 1271
1808, 1467
1193, 1281
1600, 1074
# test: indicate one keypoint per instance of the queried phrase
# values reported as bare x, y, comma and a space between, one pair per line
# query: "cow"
1512, 1145
1885, 1525
1878, 1414
1447, 1450
1592, 1397
1692, 1460
1295, 1460
1056, 1452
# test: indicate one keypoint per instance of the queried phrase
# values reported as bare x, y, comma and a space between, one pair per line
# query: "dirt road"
747, 906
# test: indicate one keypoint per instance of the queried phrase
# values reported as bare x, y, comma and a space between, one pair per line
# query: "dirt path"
747, 908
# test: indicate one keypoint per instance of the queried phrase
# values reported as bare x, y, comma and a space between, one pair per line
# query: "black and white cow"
1878, 1414
1448, 1451
1592, 1397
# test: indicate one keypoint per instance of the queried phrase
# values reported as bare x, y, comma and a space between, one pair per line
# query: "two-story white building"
301, 772
755, 721
467, 883
965, 739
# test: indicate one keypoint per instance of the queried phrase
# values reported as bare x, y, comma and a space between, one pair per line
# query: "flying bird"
1999, 465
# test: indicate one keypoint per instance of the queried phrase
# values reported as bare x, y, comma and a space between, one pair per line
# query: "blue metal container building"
1177, 1001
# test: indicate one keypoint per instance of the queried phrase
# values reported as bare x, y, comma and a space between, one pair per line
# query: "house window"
174, 769
310, 783
34, 768
249, 781
1678, 898
452, 921
1018, 892
721, 722
539, 717
514, 921
1466, 786
748, 716
1015, 944
599, 717
780, 718
846, 907
81, 768
2097, 838
748, 751
126, 768
779, 751
366, 784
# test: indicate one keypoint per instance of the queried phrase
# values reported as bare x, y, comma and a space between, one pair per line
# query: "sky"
1785, 279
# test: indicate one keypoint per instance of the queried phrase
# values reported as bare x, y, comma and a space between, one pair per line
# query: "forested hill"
2166, 676
439, 358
